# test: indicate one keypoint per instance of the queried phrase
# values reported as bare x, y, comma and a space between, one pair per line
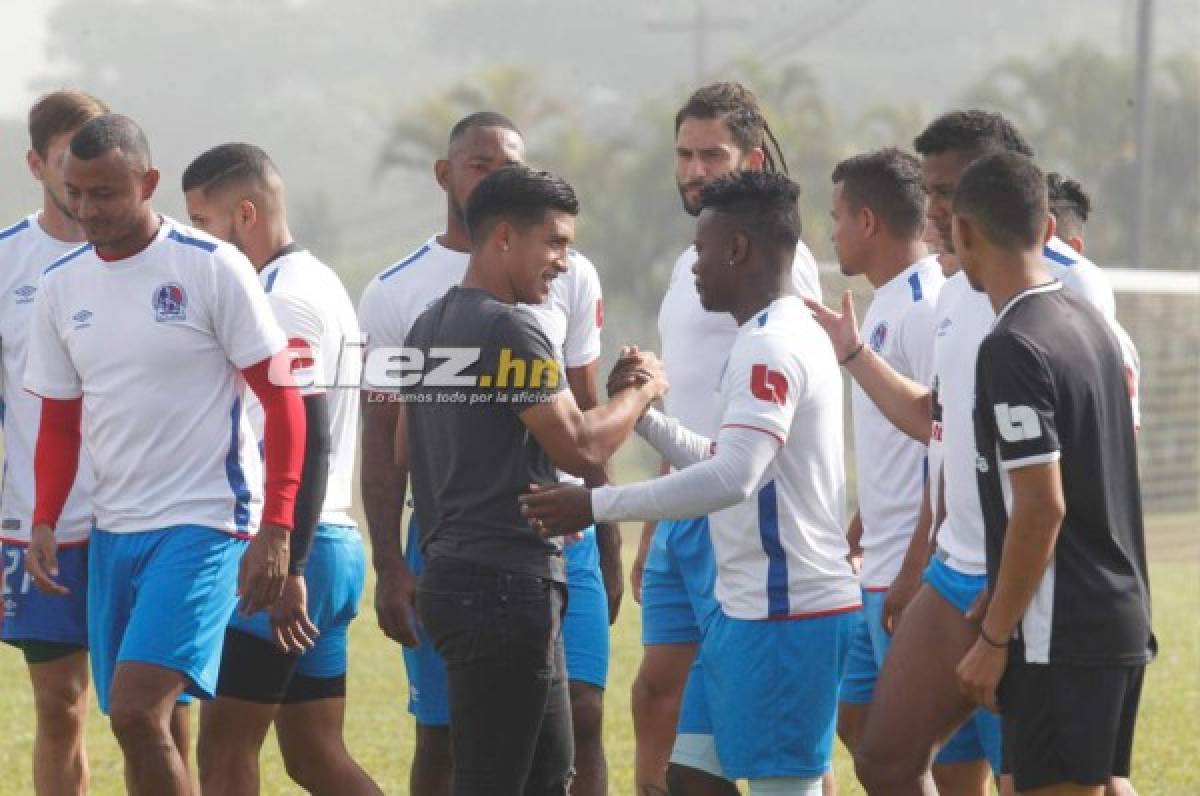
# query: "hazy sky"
22, 52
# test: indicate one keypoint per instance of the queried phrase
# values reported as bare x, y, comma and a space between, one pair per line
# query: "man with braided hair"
720, 129
771, 483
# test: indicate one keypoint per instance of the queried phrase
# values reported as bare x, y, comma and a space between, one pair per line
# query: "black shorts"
1068, 724
255, 670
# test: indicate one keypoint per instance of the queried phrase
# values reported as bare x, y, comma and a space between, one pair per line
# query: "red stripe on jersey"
778, 438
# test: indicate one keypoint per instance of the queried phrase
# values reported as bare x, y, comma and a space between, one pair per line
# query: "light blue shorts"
334, 576
585, 632
981, 735
772, 689
31, 615
162, 597
677, 601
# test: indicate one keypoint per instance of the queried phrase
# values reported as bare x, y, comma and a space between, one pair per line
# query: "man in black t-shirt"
485, 415
1066, 636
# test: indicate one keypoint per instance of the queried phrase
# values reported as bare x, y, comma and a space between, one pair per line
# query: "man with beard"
772, 484
720, 129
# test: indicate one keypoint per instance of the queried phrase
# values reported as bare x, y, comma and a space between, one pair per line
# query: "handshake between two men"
559, 509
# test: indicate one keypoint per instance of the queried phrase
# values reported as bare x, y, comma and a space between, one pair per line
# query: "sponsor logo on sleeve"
1017, 423
768, 385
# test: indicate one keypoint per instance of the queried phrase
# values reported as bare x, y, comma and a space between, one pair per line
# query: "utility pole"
1144, 131
700, 26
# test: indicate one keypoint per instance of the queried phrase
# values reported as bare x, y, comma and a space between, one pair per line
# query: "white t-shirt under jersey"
964, 317
25, 252
316, 314
695, 342
783, 551
571, 316
153, 343
899, 327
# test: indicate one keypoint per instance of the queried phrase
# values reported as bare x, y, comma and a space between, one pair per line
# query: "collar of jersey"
1048, 287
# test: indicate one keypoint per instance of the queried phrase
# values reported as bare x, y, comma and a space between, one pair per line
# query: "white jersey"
1080, 275
695, 342
964, 317
571, 316
153, 343
316, 314
25, 251
899, 327
783, 551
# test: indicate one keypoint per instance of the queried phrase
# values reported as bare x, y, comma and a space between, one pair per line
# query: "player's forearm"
680, 447
283, 444
605, 428
56, 458
384, 485
724, 480
905, 403
1028, 548
313, 481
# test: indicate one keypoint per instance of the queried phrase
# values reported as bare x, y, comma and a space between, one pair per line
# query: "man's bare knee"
61, 710
879, 773
135, 722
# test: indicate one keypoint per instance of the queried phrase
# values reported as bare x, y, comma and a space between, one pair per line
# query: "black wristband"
852, 354
983, 635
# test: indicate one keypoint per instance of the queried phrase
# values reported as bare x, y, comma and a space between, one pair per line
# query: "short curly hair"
974, 132
767, 202
1069, 204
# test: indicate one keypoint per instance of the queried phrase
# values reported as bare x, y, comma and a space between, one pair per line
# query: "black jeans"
500, 634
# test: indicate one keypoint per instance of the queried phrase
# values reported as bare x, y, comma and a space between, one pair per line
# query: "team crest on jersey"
944, 327
82, 319
170, 302
25, 294
879, 336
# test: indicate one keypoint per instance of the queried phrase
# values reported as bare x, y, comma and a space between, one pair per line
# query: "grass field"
379, 729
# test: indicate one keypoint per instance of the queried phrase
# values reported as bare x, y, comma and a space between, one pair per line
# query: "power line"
701, 24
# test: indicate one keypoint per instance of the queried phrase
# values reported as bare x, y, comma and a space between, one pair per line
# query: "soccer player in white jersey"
572, 317
153, 331
280, 665
773, 484
878, 211
917, 704
1070, 205
720, 128
50, 630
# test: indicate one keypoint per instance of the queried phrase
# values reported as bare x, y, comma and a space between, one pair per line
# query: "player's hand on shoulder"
395, 604
41, 561
264, 569
842, 327
291, 627
558, 509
